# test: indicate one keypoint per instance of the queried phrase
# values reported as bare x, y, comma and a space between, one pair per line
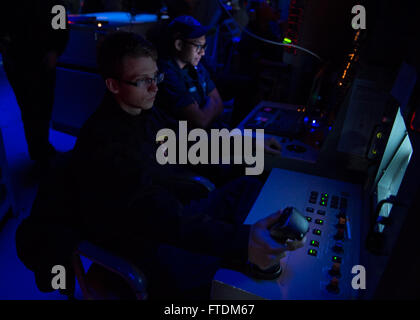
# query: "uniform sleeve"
169, 222
210, 84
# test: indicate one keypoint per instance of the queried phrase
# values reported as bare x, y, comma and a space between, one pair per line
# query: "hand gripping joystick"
292, 225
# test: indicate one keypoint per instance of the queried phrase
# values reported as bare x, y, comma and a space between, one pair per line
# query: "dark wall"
393, 33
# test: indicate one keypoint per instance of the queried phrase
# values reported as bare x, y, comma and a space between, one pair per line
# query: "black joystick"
292, 225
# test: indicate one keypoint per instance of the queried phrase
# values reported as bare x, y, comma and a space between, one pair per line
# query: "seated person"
126, 207
187, 92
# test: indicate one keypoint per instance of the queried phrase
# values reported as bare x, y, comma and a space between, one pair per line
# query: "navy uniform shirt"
121, 192
182, 87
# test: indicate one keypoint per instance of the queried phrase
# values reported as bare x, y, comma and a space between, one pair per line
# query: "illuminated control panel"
331, 247
321, 269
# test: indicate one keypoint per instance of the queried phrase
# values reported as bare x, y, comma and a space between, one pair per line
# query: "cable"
266, 40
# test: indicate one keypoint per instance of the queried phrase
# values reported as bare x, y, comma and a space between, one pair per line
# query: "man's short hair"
119, 45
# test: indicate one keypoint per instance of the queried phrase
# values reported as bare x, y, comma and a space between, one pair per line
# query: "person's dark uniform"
27, 38
182, 87
126, 208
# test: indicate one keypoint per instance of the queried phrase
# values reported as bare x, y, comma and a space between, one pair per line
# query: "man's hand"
272, 146
263, 250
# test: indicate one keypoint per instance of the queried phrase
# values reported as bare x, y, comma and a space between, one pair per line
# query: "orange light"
99, 25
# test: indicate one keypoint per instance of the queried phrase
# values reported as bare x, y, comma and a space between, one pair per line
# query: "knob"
335, 270
341, 223
341, 215
333, 286
339, 235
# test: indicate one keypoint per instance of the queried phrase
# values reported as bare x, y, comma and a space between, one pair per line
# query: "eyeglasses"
146, 82
198, 47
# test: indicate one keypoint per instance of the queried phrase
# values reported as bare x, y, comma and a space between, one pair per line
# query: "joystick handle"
292, 225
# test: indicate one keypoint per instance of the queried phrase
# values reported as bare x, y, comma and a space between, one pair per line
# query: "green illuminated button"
317, 232
312, 252
309, 219
314, 243
336, 259
319, 221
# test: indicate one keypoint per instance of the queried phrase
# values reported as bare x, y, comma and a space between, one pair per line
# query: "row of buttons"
312, 210
334, 202
338, 248
317, 221
317, 232
313, 197
313, 252
324, 200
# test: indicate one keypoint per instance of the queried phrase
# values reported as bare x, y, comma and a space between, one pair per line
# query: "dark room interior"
334, 87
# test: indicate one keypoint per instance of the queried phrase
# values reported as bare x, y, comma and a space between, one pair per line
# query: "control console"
322, 268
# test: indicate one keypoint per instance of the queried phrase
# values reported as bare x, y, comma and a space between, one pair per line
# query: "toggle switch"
336, 259
333, 286
339, 235
341, 223
335, 270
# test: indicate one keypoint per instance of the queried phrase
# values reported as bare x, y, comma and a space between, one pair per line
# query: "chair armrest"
195, 180
188, 186
126, 270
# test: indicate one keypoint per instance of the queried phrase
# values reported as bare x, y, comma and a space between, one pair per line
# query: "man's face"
192, 50
143, 95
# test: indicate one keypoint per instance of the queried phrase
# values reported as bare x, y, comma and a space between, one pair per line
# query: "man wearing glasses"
188, 93
124, 203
